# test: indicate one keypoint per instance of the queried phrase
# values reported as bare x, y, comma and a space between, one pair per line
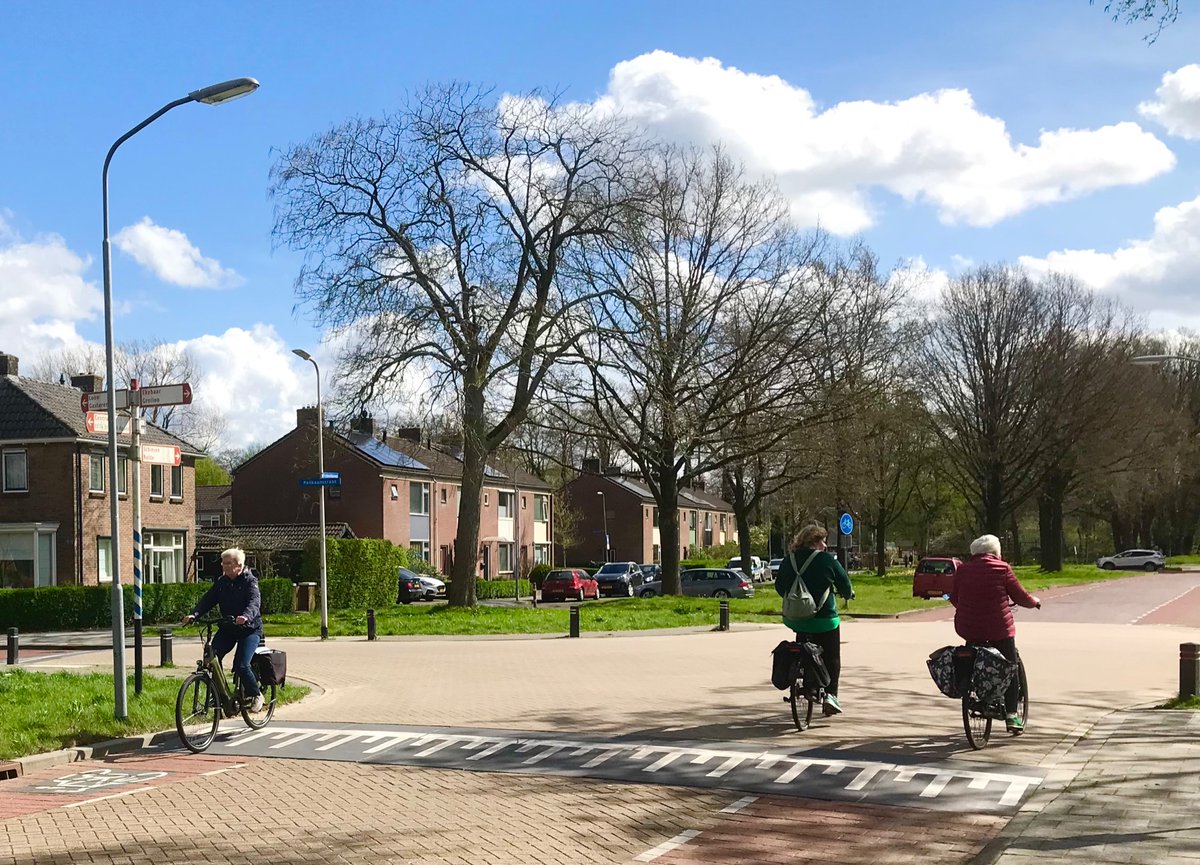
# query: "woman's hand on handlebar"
240, 620
188, 619
1037, 602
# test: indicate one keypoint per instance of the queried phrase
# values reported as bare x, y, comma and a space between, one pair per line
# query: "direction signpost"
99, 401
97, 422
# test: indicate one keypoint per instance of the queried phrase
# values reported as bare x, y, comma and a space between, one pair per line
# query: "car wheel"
407, 601
1109, 566
581, 596
596, 596
629, 590
1150, 566
720, 593
649, 593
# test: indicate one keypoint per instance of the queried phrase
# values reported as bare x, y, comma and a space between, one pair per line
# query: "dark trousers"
1008, 648
831, 653
246, 644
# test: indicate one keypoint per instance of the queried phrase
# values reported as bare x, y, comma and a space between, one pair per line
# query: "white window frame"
421, 548
122, 476
177, 492
24, 455
541, 503
501, 549
423, 487
160, 543
505, 502
38, 530
445, 495
103, 542
156, 469
93, 461
541, 554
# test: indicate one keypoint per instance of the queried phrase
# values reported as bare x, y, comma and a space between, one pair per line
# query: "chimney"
306, 416
612, 471
364, 423
8, 364
87, 382
409, 433
591, 466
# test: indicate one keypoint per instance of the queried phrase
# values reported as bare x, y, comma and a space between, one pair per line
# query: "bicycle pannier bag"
799, 603
991, 674
787, 654
813, 658
941, 668
270, 665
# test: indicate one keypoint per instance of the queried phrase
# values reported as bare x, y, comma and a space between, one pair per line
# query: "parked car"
757, 571
650, 572
774, 565
1148, 560
569, 583
620, 579
434, 588
410, 587
934, 576
716, 583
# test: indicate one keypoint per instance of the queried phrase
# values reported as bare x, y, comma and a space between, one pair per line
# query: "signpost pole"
135, 492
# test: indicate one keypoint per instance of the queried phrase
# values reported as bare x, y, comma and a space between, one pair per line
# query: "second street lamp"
212, 95
301, 353
604, 511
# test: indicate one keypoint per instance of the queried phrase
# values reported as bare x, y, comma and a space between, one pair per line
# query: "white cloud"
169, 254
1178, 105
1158, 275
923, 285
43, 294
932, 147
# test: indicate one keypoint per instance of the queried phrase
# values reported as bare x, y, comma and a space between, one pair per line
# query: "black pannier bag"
270, 665
787, 654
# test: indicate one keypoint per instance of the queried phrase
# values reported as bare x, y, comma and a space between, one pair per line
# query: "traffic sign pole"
135, 491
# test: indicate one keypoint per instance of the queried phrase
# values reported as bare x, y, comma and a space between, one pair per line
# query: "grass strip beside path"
49, 711
876, 596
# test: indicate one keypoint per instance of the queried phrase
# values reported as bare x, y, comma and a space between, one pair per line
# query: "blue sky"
916, 127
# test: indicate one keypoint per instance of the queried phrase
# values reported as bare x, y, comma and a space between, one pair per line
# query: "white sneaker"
257, 705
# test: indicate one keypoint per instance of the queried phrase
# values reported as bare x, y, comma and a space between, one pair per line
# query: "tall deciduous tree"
434, 238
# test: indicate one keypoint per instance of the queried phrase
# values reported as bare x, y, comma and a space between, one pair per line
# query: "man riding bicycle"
237, 595
985, 588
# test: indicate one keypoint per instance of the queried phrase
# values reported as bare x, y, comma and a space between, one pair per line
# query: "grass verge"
49, 711
1192, 702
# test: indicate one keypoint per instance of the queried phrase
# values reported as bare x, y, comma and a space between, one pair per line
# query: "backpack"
798, 603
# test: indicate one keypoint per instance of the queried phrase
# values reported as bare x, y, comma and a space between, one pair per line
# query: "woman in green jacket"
821, 578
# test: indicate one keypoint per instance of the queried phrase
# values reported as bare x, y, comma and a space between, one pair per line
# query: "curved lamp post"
1153, 359
301, 353
604, 511
214, 95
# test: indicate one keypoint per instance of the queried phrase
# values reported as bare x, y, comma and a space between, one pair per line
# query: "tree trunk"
1016, 538
880, 543
993, 501
466, 545
668, 528
1050, 520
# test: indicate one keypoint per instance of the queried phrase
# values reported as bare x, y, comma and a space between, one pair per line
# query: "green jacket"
824, 574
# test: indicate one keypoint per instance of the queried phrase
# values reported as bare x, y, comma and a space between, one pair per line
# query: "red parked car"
569, 583
934, 576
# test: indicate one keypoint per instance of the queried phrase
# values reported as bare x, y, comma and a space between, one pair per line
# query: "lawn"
49, 711
874, 596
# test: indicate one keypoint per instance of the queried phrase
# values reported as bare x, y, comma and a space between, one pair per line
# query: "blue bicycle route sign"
846, 524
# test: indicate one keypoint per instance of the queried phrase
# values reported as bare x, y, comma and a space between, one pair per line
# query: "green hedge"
360, 572
486, 590
278, 595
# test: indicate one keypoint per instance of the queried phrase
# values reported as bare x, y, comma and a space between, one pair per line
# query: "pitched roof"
687, 498
267, 536
31, 409
214, 498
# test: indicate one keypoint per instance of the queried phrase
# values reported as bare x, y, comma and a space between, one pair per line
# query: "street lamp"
301, 353
604, 511
1153, 359
214, 95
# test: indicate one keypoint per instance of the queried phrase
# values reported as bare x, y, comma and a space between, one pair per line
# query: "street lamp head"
1149, 359
226, 91
301, 353
599, 492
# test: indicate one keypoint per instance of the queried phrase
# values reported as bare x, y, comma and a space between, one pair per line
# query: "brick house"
214, 506
629, 512
55, 525
394, 487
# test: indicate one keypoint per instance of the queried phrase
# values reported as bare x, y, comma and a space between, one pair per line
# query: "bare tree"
434, 238
1160, 14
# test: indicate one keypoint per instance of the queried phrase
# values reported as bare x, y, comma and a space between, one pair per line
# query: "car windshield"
560, 575
613, 569
409, 575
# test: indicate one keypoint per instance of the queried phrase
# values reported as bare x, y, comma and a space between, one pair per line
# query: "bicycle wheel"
197, 712
1022, 698
977, 721
257, 720
802, 705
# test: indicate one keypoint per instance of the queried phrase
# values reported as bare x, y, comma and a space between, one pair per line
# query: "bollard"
574, 620
166, 650
370, 624
724, 623
1189, 670
14, 646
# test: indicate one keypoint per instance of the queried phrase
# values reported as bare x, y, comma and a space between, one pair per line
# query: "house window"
541, 509
692, 520
418, 498
395, 492
654, 517
504, 501
177, 483
722, 522
122, 476
27, 555
506, 558
15, 470
95, 473
524, 502
421, 548
104, 559
163, 554
445, 495
541, 554
707, 521
156, 482
485, 500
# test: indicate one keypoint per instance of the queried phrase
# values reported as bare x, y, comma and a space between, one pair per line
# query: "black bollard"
166, 650
370, 624
1189, 670
723, 625
14, 646
574, 620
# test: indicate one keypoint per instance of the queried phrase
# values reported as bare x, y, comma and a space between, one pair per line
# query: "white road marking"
1165, 603
109, 796
667, 846
739, 805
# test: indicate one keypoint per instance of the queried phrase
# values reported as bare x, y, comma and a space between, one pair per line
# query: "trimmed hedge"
360, 572
278, 595
487, 590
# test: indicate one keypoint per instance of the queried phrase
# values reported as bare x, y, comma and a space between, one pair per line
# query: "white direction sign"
163, 455
166, 394
99, 401
97, 422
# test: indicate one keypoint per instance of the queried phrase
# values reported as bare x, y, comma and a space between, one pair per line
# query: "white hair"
235, 553
985, 545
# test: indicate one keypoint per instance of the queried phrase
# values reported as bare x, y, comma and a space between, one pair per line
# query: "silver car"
1144, 560
716, 583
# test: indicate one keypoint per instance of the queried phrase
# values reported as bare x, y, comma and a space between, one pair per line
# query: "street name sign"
329, 479
163, 455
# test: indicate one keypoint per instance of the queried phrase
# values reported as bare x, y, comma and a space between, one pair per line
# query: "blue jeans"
246, 644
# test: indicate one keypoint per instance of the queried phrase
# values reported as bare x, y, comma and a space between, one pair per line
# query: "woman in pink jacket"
984, 586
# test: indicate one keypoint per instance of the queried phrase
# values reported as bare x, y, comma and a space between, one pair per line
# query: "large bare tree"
433, 239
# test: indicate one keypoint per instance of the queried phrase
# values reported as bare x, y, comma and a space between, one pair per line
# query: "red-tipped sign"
99, 401
163, 455
97, 422
166, 394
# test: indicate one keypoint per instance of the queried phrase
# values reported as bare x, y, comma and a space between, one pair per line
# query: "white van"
757, 571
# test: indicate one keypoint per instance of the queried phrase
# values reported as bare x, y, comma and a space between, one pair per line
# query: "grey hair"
235, 553
985, 545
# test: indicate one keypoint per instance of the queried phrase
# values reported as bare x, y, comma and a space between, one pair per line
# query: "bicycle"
206, 695
808, 686
978, 715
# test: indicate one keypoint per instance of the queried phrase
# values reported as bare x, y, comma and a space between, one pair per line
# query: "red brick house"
55, 526
628, 510
394, 487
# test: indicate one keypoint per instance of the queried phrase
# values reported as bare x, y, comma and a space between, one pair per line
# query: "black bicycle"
809, 679
978, 714
206, 695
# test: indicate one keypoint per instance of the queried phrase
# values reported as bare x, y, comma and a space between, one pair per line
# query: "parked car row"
418, 587
706, 583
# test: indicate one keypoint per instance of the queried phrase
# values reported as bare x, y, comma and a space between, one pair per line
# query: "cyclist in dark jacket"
237, 595
821, 578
